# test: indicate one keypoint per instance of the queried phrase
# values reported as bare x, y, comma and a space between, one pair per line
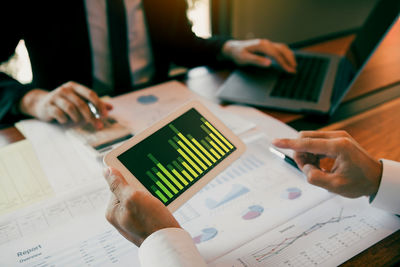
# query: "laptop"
321, 81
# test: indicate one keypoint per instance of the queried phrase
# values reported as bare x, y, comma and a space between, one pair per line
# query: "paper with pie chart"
262, 212
255, 194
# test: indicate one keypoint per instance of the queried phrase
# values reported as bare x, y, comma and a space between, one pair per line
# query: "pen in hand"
94, 110
284, 157
96, 113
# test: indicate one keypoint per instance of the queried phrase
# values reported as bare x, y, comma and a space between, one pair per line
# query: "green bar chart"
173, 158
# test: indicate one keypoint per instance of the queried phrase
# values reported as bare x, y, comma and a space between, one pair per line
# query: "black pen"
284, 157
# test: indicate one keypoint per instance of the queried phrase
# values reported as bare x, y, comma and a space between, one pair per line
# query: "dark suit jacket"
57, 40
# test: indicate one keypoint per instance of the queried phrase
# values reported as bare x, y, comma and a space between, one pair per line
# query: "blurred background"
297, 23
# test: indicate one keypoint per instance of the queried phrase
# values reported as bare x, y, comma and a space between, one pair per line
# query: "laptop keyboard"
306, 83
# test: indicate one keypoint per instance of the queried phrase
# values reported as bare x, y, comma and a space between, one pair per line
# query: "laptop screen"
367, 40
372, 32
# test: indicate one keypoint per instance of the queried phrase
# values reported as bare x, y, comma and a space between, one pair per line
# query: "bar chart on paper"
177, 155
22, 180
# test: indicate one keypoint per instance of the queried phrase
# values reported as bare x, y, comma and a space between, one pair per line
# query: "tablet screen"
175, 157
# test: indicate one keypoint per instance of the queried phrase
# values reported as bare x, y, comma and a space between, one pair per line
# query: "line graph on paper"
275, 249
315, 244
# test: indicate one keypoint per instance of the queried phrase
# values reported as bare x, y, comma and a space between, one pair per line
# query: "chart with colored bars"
172, 159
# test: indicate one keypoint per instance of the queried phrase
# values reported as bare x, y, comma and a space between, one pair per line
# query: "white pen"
94, 110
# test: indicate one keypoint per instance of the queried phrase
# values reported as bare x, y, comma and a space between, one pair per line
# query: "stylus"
284, 157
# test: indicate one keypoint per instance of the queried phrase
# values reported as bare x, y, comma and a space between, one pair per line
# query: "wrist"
227, 49
376, 179
29, 102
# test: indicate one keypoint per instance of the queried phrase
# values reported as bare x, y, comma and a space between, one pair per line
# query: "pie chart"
206, 234
147, 99
252, 212
291, 193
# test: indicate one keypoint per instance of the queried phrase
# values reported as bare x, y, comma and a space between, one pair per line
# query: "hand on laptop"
67, 102
135, 214
256, 52
354, 172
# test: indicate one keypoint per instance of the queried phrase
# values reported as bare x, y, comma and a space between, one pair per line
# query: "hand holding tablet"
177, 156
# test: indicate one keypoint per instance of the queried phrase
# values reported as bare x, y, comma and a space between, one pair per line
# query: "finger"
289, 56
68, 108
250, 58
306, 158
324, 134
87, 94
112, 208
317, 177
105, 108
82, 107
269, 49
282, 60
116, 182
57, 114
310, 145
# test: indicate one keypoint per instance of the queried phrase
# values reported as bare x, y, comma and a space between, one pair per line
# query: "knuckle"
134, 198
345, 143
58, 113
69, 108
69, 84
63, 89
343, 133
114, 185
81, 106
242, 54
307, 141
92, 95
54, 96
134, 195
302, 134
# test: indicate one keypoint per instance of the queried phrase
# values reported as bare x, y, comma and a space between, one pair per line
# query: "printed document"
22, 180
258, 212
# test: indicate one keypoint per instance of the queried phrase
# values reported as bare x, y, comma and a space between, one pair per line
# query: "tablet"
177, 156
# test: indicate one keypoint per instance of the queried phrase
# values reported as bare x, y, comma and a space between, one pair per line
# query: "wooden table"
371, 114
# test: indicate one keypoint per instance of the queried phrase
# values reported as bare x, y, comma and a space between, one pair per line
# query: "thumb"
316, 176
115, 181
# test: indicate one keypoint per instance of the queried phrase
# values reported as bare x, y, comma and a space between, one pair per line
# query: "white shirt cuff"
388, 196
170, 247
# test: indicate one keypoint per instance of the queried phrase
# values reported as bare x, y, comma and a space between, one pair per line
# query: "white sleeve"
388, 196
170, 247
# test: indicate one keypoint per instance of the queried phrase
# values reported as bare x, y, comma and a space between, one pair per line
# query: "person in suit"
72, 46
146, 222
